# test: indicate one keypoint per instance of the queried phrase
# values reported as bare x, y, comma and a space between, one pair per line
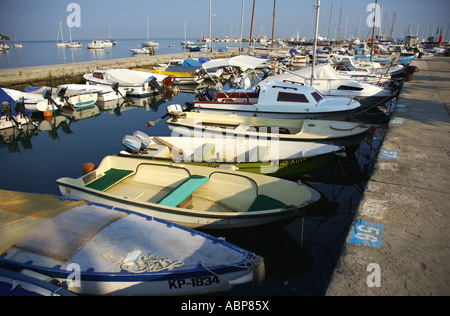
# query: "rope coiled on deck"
150, 263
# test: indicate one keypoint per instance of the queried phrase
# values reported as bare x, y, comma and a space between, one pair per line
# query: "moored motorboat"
329, 83
13, 114
98, 250
330, 132
183, 75
33, 102
142, 50
66, 97
193, 196
279, 99
249, 154
135, 83
96, 44
105, 94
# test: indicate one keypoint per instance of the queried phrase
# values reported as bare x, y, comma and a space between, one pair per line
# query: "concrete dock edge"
399, 242
53, 75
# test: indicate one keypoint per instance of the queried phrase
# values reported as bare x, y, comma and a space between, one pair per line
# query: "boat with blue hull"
91, 249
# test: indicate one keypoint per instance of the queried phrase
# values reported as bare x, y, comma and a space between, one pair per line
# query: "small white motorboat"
105, 94
191, 195
33, 102
277, 99
66, 97
270, 155
320, 131
98, 250
96, 44
136, 83
329, 83
142, 50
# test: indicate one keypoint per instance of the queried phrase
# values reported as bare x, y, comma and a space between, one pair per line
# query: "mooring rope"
150, 263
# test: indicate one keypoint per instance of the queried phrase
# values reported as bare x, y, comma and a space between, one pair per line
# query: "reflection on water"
300, 255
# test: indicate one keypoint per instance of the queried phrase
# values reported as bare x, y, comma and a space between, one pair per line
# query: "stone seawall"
53, 75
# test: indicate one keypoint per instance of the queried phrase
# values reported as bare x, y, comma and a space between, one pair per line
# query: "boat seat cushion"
264, 203
183, 191
111, 177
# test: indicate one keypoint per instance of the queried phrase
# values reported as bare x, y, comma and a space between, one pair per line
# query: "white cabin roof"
238, 61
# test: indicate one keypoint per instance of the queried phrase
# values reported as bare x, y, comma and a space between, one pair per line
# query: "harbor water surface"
300, 255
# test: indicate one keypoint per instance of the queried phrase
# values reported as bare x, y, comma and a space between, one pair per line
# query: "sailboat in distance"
60, 30
73, 44
149, 43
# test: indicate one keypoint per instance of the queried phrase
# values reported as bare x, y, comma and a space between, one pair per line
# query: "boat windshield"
317, 96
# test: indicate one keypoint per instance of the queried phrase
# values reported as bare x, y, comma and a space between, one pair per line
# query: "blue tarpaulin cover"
5, 97
191, 62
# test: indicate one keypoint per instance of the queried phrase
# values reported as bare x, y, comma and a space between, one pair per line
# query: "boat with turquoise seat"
191, 195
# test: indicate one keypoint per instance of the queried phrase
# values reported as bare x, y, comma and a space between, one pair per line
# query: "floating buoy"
88, 167
48, 114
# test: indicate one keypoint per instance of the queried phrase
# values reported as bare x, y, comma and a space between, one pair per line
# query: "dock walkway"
399, 242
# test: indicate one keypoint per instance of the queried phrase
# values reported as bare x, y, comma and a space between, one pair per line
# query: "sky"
127, 19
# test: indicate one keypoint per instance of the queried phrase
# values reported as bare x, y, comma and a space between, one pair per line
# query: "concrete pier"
53, 75
399, 243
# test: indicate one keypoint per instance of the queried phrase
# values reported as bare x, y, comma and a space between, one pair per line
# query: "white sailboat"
62, 43
149, 43
72, 44
16, 44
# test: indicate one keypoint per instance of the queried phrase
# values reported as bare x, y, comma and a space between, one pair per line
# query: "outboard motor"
144, 138
115, 87
207, 95
61, 91
132, 143
47, 94
154, 84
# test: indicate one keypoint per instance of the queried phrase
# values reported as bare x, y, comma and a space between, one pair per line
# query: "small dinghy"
97, 250
136, 83
190, 195
66, 97
105, 94
256, 155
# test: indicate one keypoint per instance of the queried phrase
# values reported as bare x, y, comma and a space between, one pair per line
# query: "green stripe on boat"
111, 177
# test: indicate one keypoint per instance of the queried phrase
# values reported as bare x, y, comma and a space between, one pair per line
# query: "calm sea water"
34, 53
300, 255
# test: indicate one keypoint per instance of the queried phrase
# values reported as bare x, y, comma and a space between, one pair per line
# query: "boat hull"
222, 108
111, 251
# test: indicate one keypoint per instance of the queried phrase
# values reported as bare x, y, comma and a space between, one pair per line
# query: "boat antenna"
315, 40
373, 29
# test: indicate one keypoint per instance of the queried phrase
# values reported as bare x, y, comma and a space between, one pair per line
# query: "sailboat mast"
373, 29
339, 28
273, 20
251, 26
210, 31
148, 32
329, 22
242, 25
315, 41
